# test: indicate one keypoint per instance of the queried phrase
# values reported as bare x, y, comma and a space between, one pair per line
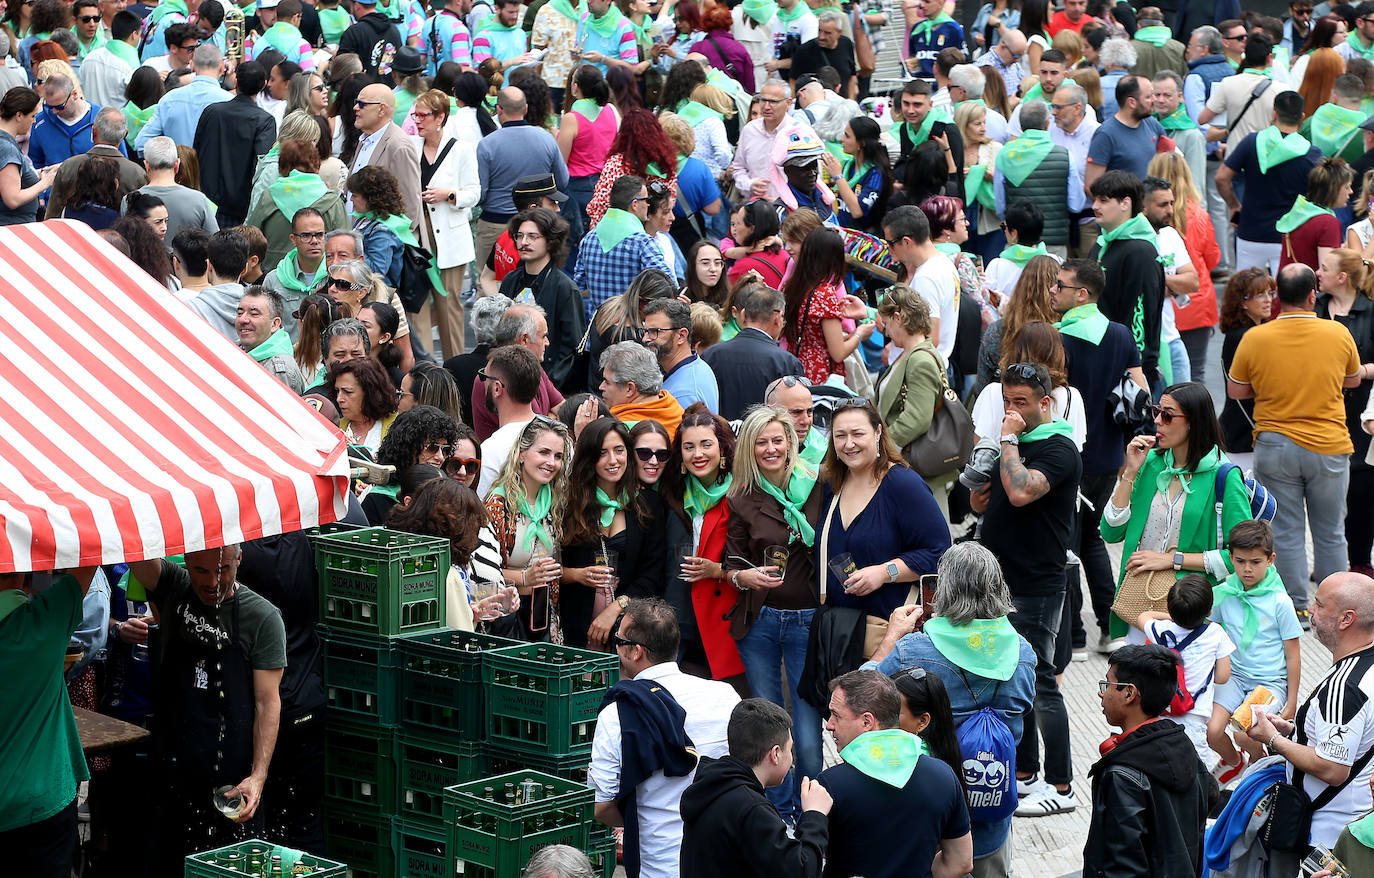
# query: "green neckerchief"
1302, 211
976, 102
567, 10
695, 113
296, 190
616, 226
986, 647
1020, 254
641, 31
1333, 126
922, 134
137, 117
1272, 147
924, 27
398, 223
1085, 322
787, 16
854, 172
1353, 39
288, 268
537, 514
124, 52
698, 499
653, 170
278, 342
1208, 464
886, 755
333, 22
166, 8
588, 108
1052, 427
978, 188
1363, 830
792, 507
285, 38
1023, 155
1137, 228
95, 43
12, 599
813, 448
605, 26
1035, 92
1155, 35
949, 248
1178, 120
761, 11
1234, 588
609, 506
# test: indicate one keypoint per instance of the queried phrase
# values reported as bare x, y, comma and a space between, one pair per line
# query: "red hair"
717, 17
642, 142
689, 14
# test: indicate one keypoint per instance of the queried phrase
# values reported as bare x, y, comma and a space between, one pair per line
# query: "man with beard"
1128, 140
509, 382
667, 332
526, 326
216, 701
540, 236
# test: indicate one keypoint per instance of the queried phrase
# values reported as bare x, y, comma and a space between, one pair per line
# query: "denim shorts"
1230, 694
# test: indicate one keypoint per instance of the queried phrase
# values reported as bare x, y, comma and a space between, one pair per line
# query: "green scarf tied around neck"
1137, 228
605, 26
922, 134
1302, 211
1234, 588
791, 502
1023, 155
761, 11
1207, 465
1053, 427
286, 273
1273, 147
1156, 35
924, 27
609, 506
698, 499
695, 113
299, 189
1085, 322
1035, 92
886, 755
1020, 254
278, 342
536, 515
399, 224
124, 52
949, 248
1178, 120
986, 647
1333, 126
588, 108
1353, 38
1363, 830
616, 226
977, 187
788, 15
568, 10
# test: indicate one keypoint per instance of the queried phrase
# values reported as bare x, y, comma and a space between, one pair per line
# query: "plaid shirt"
603, 275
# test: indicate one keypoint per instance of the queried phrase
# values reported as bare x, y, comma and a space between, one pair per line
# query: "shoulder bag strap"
1219, 492
729, 65
825, 546
1260, 88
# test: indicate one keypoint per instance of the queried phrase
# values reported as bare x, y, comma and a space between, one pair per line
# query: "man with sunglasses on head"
748, 365
229, 137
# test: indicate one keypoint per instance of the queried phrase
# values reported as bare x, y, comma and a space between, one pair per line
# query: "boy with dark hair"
1128, 249
1256, 611
1203, 647
729, 826
1149, 795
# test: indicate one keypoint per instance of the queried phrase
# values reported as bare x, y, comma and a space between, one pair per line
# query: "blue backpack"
989, 768
1262, 504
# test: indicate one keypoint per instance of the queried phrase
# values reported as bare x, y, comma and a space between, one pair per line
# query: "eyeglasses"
442, 447
360, 103
421, 114
346, 284
323, 87
1104, 685
308, 236
57, 108
652, 333
647, 454
639, 198
1164, 416
189, 47
1262, 294
1058, 107
486, 376
400, 393
619, 641
1057, 285
455, 466
770, 101
88, 19
527, 236
1241, 37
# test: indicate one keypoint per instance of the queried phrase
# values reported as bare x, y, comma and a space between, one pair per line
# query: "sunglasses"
360, 103
484, 375
88, 19
442, 447
1028, 372
455, 466
1165, 416
619, 641
647, 454
346, 284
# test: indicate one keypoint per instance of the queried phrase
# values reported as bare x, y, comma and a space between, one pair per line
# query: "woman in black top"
1245, 303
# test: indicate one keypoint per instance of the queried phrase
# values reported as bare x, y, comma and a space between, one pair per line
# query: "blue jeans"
779, 637
1305, 485
1178, 361
1037, 618
580, 191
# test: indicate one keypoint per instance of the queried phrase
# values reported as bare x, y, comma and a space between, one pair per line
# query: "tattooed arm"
1023, 486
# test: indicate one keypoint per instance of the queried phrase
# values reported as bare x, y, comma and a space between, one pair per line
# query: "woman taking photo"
754, 244
612, 537
525, 507
863, 181
980, 156
769, 560
1163, 508
816, 306
1248, 301
297, 186
366, 399
20, 182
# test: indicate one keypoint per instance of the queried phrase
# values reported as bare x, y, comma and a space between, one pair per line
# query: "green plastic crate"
362, 841
362, 677
215, 863
360, 771
381, 582
421, 848
428, 764
601, 851
501, 760
539, 704
442, 682
496, 835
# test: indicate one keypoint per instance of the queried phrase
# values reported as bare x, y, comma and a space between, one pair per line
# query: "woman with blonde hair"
1196, 319
980, 154
1088, 79
1072, 45
1360, 236
1030, 302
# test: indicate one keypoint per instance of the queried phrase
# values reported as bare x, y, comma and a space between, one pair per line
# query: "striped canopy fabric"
129, 427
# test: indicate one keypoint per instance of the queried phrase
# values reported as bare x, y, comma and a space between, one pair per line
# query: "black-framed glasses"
1165, 416
618, 641
651, 333
1059, 285
308, 236
360, 103
343, 284
190, 47
92, 19
639, 198
647, 454
57, 108
484, 375
320, 87
443, 448
1241, 37
1104, 685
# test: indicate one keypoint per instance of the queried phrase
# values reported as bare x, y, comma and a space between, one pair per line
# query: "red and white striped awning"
131, 429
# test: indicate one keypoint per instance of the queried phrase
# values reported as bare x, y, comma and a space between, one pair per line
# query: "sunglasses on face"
1164, 416
346, 284
88, 19
484, 375
442, 447
359, 104
619, 641
647, 454
462, 466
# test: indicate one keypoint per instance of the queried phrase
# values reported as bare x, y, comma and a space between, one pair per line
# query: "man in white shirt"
1180, 276
510, 379
647, 642
927, 271
105, 73
1232, 96
1073, 129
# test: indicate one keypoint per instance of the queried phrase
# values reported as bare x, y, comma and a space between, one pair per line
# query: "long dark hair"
98, 183
682, 79
926, 173
538, 101
145, 87
590, 82
342, 107
146, 249
926, 693
868, 136
624, 89
582, 524
761, 218
820, 261
1204, 433
1035, 17
470, 88
443, 508
697, 291
674, 480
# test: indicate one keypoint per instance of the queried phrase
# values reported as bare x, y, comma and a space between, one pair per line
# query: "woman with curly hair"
612, 537
538, 102
1030, 302
1246, 302
366, 399
428, 383
94, 197
379, 213
146, 248
640, 149
422, 434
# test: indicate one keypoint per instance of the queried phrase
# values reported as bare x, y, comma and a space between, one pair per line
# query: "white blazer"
450, 220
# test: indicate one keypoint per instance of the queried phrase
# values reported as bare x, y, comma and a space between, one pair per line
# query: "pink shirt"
592, 143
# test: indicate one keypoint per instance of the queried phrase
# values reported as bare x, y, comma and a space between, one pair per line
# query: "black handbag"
415, 287
948, 442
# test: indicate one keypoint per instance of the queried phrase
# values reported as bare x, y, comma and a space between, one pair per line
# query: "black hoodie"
375, 40
1149, 807
730, 830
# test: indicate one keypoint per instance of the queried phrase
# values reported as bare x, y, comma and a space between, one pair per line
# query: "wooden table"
103, 734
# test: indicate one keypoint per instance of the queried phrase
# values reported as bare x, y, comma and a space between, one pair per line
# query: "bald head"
1343, 612
510, 104
1015, 41
374, 108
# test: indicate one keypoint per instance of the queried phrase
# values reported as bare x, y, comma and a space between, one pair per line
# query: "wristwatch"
1009, 439
623, 601
892, 572
1178, 560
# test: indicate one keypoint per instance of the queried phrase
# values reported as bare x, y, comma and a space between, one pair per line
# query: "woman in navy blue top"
879, 511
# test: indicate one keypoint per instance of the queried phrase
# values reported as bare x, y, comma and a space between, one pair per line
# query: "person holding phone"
526, 511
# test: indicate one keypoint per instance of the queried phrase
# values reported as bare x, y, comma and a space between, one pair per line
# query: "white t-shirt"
1171, 245
494, 453
1335, 719
1065, 403
1199, 659
938, 283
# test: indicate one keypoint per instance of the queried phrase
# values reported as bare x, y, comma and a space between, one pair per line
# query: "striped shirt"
1336, 721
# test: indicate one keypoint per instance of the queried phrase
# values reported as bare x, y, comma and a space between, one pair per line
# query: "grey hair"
343, 328
160, 153
67, 40
518, 320
559, 861
970, 585
839, 114
777, 83
357, 271
485, 314
968, 77
276, 305
356, 235
1076, 93
1116, 52
1210, 38
111, 126
1035, 115
58, 83
629, 361
1170, 75
831, 18
207, 57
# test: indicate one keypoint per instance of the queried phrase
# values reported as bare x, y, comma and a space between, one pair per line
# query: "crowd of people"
730, 306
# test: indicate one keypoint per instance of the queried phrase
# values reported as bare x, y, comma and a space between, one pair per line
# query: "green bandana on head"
1137, 228
761, 11
986, 647
287, 269
1156, 35
609, 506
1085, 322
1186, 475
1178, 120
924, 27
1020, 254
1333, 126
536, 515
1234, 588
1273, 147
977, 187
698, 499
886, 755
616, 226
1023, 155
1302, 211
1053, 427
278, 342
606, 26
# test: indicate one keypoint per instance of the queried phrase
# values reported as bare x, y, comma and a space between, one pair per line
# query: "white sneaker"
1106, 644
1080, 654
1029, 785
1046, 801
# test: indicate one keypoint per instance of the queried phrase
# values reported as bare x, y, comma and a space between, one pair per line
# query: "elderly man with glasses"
753, 164
1005, 59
